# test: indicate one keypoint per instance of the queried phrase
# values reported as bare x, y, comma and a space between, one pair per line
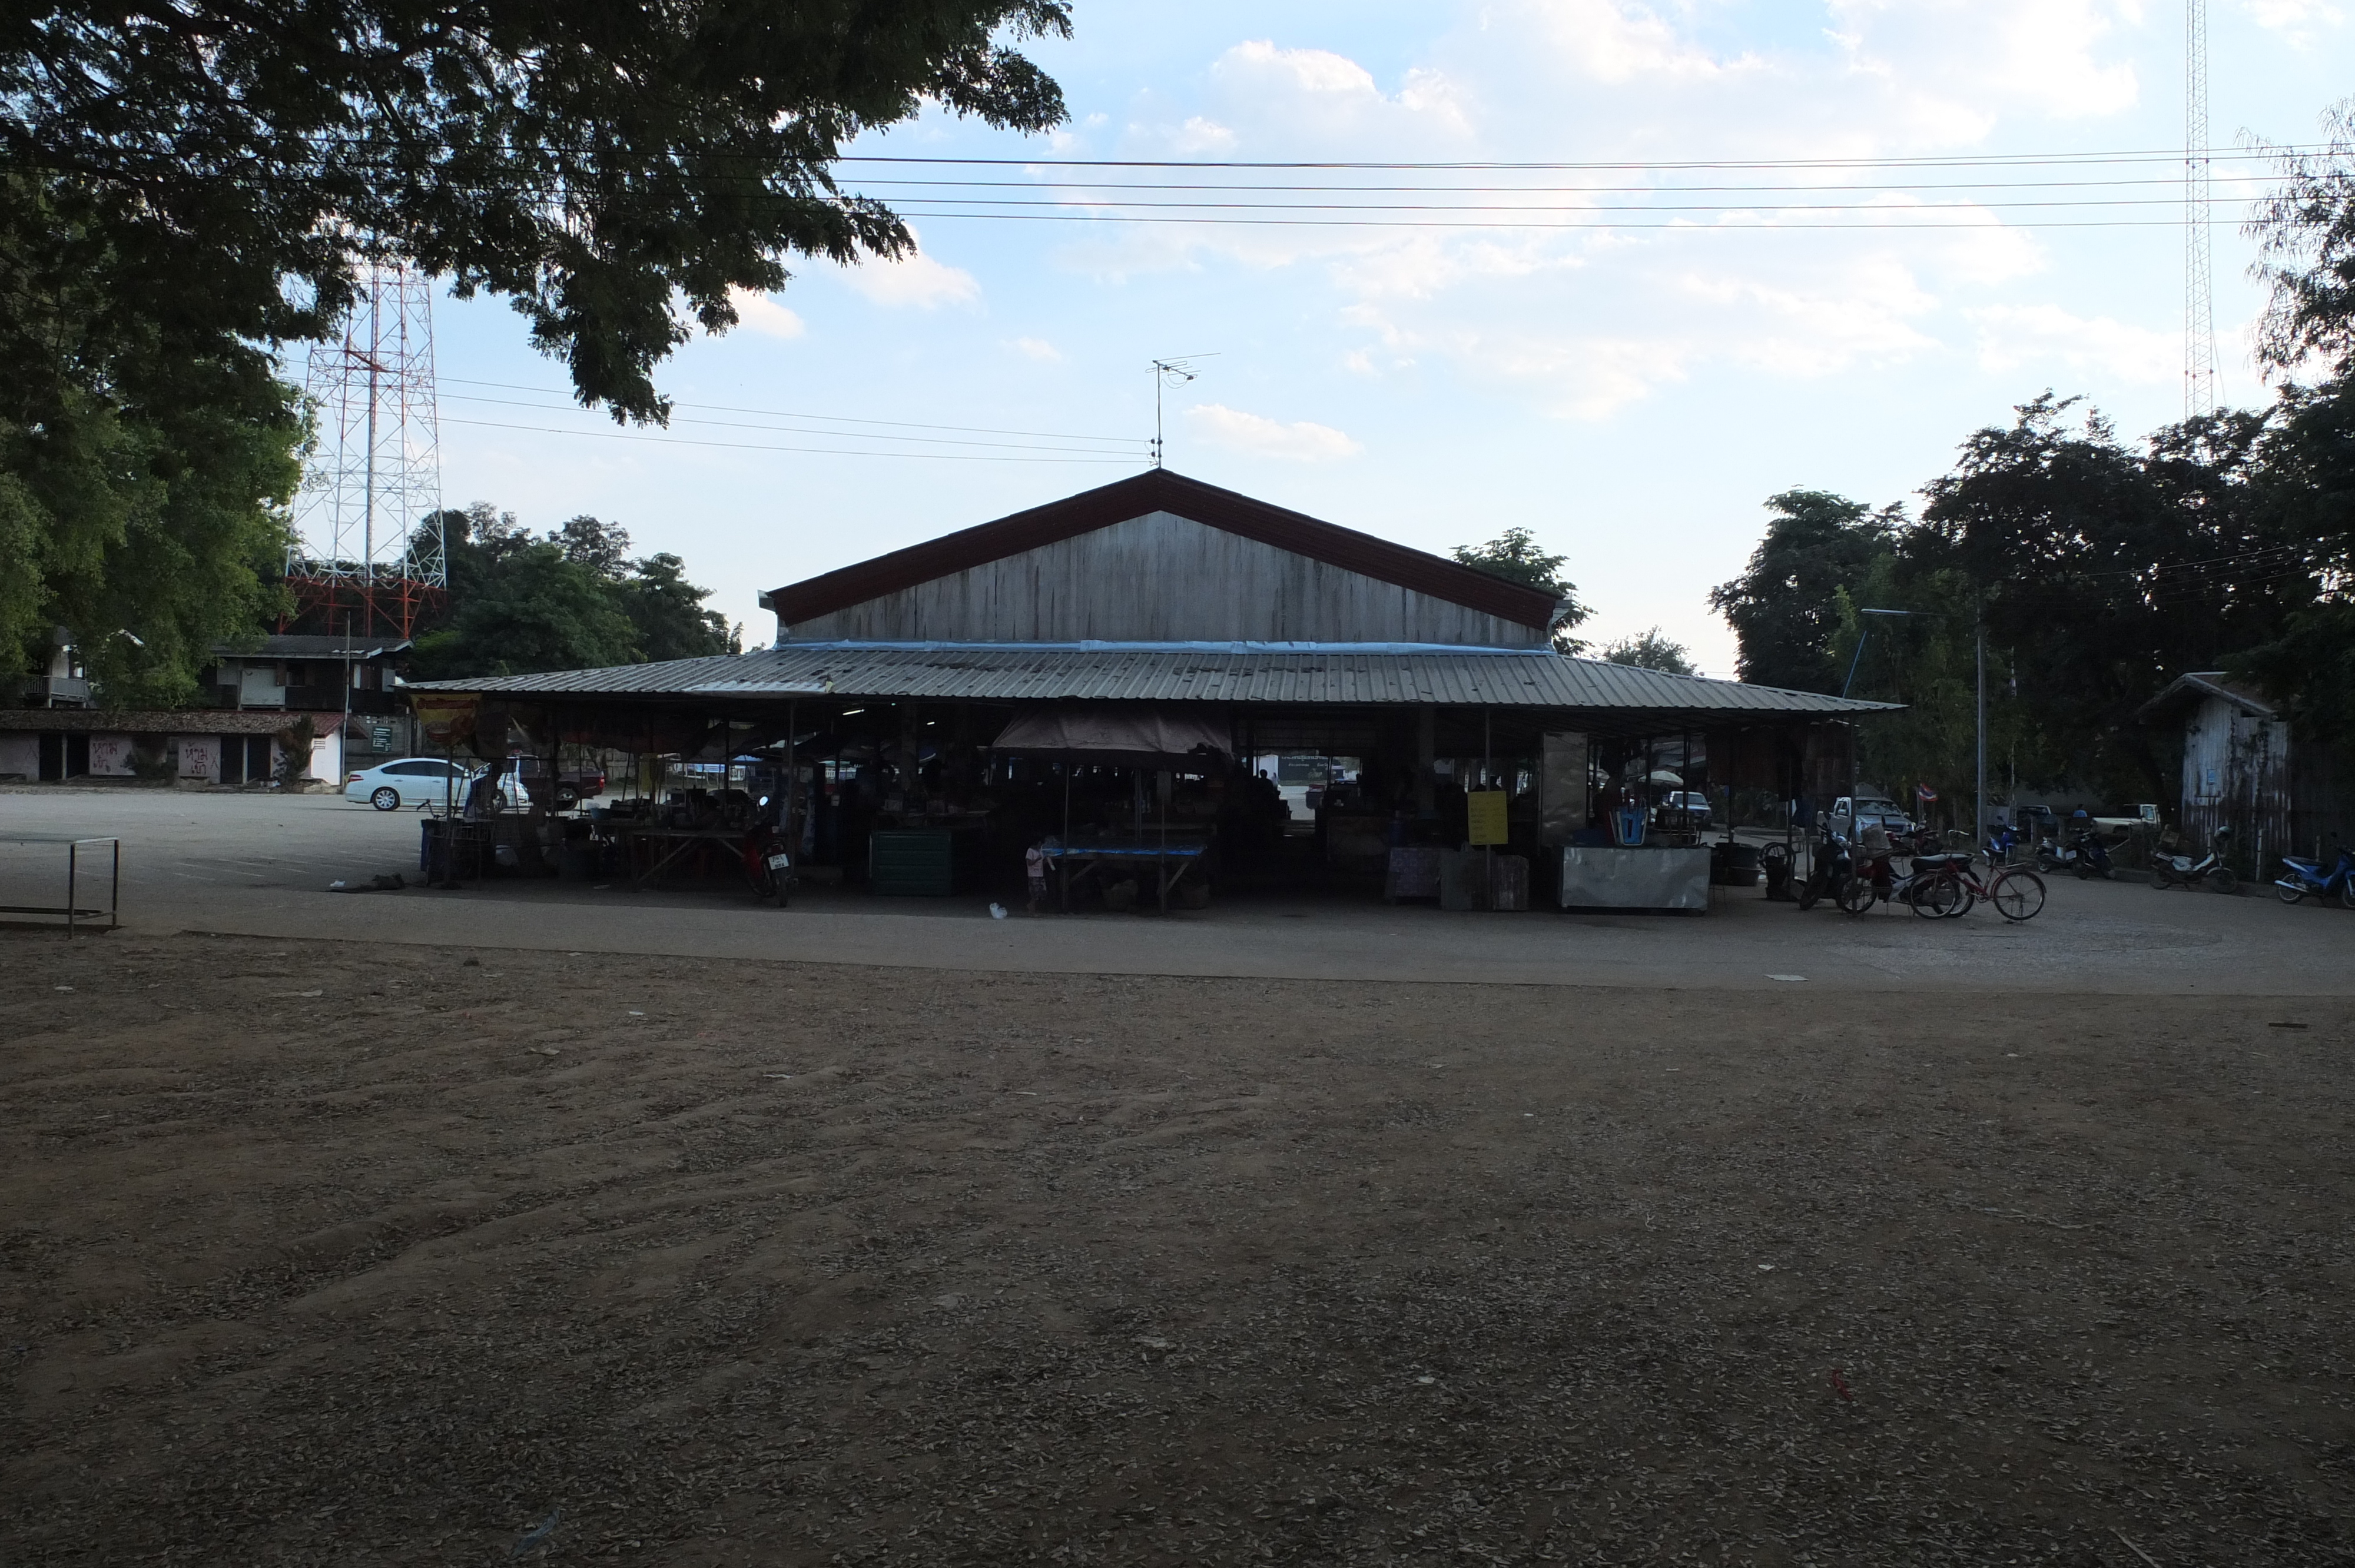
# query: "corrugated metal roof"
1330, 676
312, 645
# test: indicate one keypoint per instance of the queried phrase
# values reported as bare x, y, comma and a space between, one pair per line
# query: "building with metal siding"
1301, 637
2244, 769
1162, 577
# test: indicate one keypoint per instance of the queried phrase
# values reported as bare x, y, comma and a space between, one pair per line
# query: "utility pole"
1978, 805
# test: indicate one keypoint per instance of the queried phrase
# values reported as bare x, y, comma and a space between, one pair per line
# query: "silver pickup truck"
1851, 816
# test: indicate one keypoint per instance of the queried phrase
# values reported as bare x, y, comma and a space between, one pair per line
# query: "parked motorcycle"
2085, 855
1827, 872
2307, 878
2183, 871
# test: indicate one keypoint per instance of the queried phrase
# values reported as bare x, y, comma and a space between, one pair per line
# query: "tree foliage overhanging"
594, 161
184, 189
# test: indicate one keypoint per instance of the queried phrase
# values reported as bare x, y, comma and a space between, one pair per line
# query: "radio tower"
2199, 284
367, 552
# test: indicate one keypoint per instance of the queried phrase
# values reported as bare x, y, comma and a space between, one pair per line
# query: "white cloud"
914, 280
762, 314
2297, 20
1309, 96
1040, 349
1304, 70
2011, 336
1259, 436
1607, 41
1958, 63
1200, 135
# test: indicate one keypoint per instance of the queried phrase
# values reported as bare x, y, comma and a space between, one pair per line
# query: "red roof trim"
1159, 490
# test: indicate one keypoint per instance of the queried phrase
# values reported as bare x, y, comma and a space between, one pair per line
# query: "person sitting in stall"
482, 796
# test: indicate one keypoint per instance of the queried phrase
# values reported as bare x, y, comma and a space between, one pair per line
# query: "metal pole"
1863, 636
1488, 851
1979, 807
367, 504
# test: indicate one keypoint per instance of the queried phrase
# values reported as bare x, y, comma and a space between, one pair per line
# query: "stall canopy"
1124, 737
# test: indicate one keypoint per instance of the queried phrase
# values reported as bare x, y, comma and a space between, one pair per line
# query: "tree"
609, 166
520, 604
2307, 229
1652, 650
1782, 609
602, 547
2107, 571
1514, 555
668, 613
534, 609
145, 461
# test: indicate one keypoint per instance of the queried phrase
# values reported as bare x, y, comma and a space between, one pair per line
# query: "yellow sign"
448, 721
1486, 809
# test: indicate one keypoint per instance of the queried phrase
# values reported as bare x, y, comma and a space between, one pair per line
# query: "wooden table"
682, 841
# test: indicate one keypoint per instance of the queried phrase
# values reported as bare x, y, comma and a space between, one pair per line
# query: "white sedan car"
411, 782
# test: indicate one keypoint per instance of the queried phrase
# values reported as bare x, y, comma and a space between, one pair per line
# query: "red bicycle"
1946, 886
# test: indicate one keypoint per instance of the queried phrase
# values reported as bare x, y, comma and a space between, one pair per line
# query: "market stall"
1146, 742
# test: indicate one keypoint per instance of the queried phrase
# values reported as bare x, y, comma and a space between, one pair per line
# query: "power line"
840, 435
763, 446
1992, 160
1685, 225
2170, 181
789, 413
1082, 201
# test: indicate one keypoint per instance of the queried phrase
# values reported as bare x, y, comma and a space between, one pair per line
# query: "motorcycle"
2307, 877
2085, 855
2181, 870
1827, 872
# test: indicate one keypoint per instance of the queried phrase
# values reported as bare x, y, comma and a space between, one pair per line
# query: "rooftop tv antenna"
1171, 373
2199, 283
369, 547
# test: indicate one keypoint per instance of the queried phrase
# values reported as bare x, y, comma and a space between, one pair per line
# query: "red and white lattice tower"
368, 554
2199, 279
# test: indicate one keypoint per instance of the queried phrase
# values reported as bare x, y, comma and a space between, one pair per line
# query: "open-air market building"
1177, 686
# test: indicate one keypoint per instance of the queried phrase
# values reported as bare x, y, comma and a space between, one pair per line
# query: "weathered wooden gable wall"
2236, 774
1162, 578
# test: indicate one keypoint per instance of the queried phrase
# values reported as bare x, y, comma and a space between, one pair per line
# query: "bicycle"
1950, 887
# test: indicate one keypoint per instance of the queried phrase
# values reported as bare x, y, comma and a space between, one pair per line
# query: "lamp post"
1863, 636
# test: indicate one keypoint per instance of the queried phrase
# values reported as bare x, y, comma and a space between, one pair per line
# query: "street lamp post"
1863, 636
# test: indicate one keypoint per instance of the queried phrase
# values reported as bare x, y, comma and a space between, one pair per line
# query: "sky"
1630, 395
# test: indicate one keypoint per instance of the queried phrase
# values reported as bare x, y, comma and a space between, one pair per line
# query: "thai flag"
1924, 794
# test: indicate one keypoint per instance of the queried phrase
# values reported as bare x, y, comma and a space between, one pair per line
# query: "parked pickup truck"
528, 776
1849, 817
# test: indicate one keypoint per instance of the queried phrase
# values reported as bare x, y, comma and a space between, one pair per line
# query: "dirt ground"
313, 1252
